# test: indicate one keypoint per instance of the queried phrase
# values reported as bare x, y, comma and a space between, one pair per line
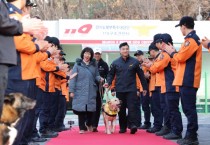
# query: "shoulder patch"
187, 43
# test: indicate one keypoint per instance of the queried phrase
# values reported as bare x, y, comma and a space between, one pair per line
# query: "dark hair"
152, 46
87, 49
123, 44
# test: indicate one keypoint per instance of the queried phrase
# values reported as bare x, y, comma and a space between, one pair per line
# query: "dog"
110, 111
14, 107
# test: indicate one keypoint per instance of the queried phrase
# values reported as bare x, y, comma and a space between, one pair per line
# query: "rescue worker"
188, 76
168, 66
8, 29
125, 68
145, 99
156, 68
21, 78
103, 69
154, 87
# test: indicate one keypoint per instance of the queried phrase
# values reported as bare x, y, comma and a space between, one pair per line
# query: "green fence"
203, 98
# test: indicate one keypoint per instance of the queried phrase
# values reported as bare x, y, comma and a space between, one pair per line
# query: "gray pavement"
203, 132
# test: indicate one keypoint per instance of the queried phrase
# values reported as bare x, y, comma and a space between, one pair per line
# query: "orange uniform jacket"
64, 89
166, 67
25, 49
47, 80
189, 59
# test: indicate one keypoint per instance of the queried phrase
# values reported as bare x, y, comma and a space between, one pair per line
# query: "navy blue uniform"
126, 90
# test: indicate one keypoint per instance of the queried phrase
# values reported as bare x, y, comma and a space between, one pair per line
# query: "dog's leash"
101, 92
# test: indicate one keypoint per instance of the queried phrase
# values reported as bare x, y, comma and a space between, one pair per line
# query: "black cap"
62, 53
152, 46
166, 38
138, 52
53, 40
30, 4
156, 37
186, 21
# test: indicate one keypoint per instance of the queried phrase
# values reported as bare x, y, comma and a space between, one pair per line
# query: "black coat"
125, 72
103, 68
8, 28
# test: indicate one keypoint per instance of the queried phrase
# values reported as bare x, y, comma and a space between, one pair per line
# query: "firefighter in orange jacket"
61, 79
188, 75
22, 77
49, 92
167, 68
145, 99
155, 90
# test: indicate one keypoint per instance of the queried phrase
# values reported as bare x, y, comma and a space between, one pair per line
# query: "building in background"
108, 34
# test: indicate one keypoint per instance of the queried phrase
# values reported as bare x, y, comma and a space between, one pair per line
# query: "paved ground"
204, 126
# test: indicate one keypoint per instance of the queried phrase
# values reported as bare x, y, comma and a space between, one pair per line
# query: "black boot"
188, 141
172, 136
164, 130
153, 130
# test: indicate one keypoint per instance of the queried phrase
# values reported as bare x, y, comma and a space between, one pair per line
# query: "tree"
120, 9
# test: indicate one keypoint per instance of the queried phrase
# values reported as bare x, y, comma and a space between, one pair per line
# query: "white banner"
138, 32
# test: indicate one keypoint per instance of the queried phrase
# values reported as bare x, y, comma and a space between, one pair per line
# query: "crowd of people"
33, 64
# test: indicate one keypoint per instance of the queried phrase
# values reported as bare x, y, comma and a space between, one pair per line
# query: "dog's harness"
109, 112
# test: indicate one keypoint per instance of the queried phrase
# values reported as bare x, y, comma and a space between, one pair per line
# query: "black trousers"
59, 119
146, 107
175, 115
54, 103
38, 106
3, 84
96, 114
188, 100
131, 102
156, 109
85, 118
165, 109
45, 111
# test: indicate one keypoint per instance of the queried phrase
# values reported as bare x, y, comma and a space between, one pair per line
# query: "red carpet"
72, 137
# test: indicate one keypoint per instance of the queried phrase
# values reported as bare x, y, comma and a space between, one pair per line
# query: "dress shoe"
122, 131
188, 141
133, 130
172, 136
145, 126
153, 130
49, 134
164, 130
60, 129
38, 139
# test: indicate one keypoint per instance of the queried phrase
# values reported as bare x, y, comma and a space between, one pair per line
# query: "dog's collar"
108, 111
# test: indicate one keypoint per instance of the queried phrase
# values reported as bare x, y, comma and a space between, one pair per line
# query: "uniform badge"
161, 56
130, 65
187, 43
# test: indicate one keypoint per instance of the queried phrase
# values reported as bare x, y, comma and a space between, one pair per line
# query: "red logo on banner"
85, 29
